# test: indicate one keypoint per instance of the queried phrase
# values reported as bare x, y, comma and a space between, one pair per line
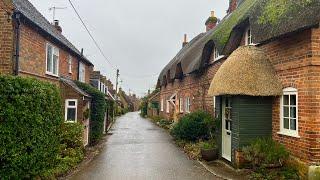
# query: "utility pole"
117, 83
53, 9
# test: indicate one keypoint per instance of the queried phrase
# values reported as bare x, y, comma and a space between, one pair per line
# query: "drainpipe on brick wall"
16, 19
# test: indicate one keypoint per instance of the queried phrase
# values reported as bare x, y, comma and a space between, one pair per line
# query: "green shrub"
265, 152
71, 147
209, 144
282, 173
193, 126
98, 109
30, 121
165, 123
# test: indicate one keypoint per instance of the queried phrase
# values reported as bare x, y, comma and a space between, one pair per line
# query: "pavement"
222, 169
139, 150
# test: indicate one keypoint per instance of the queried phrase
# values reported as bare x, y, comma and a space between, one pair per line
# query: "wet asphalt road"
139, 150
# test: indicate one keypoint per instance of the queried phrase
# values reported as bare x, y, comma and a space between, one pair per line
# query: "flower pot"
210, 154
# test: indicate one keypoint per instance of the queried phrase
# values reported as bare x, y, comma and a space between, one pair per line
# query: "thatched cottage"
257, 71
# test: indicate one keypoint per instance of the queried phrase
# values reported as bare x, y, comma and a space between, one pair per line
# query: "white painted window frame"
181, 105
162, 105
82, 72
248, 37
187, 105
68, 106
216, 54
288, 132
55, 51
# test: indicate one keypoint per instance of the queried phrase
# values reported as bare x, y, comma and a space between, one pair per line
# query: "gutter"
17, 22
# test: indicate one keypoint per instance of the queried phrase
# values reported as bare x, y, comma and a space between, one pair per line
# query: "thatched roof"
247, 71
189, 57
228, 33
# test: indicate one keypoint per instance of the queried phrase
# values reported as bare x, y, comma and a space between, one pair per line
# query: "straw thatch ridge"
247, 71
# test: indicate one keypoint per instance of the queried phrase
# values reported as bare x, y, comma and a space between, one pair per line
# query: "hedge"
97, 113
71, 147
30, 121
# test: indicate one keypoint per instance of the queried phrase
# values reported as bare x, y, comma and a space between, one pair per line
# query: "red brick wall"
6, 40
33, 57
296, 61
69, 93
192, 86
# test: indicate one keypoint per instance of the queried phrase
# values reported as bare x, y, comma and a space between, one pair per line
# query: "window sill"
53, 75
71, 122
295, 135
218, 58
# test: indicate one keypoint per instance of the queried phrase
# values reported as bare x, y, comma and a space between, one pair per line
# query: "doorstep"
221, 169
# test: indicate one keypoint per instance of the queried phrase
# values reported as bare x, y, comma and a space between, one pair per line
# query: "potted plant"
209, 151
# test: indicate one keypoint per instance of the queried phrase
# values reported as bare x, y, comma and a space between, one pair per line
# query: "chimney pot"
185, 40
212, 14
57, 26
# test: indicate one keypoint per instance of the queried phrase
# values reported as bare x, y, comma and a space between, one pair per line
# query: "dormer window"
216, 54
249, 40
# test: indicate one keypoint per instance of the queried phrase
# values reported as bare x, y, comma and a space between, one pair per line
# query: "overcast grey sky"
139, 36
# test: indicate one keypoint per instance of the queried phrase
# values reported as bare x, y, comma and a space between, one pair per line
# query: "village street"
138, 149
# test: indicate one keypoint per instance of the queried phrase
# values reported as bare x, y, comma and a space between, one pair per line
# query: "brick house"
263, 76
101, 83
31, 46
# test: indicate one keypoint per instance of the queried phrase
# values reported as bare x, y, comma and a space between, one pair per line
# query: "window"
82, 72
289, 112
168, 106
181, 105
71, 110
187, 105
70, 64
102, 87
52, 60
215, 54
162, 105
249, 37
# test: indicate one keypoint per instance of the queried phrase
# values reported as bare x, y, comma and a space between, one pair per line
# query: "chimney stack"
233, 4
57, 26
185, 40
211, 21
81, 51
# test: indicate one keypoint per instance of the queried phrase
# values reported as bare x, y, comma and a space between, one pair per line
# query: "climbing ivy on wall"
275, 9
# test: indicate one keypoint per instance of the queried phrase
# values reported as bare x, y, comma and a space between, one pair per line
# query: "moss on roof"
274, 10
271, 17
223, 30
268, 19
